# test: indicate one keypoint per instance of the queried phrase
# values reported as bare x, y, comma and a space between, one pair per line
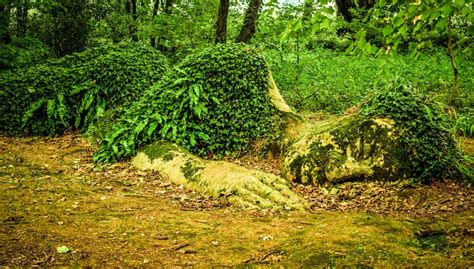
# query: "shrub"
214, 102
425, 134
77, 89
22, 52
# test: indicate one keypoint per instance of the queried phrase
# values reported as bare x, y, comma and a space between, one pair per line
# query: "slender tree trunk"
167, 6
455, 93
134, 16
156, 6
5, 8
343, 7
250, 22
221, 23
128, 7
21, 18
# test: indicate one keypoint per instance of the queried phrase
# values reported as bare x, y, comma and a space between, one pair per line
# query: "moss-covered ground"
52, 195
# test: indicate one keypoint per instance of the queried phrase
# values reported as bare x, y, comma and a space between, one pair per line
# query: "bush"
76, 90
214, 102
425, 134
22, 52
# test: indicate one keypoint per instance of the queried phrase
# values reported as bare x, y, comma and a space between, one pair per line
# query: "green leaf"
446, 10
152, 127
387, 30
63, 249
397, 21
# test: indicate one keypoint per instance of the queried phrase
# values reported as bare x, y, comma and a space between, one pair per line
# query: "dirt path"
52, 196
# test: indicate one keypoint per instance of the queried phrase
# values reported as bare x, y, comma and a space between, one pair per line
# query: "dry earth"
52, 195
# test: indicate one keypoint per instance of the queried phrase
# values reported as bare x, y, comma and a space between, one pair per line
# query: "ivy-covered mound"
214, 102
397, 135
75, 90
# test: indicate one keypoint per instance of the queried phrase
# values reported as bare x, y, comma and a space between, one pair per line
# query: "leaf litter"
53, 194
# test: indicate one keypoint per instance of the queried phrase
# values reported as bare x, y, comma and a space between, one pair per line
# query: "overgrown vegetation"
214, 102
74, 91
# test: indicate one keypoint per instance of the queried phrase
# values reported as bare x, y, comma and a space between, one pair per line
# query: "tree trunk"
454, 97
250, 22
21, 18
128, 7
167, 6
156, 6
5, 8
134, 16
221, 23
343, 7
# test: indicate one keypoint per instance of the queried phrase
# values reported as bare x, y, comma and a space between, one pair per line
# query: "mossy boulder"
248, 188
348, 148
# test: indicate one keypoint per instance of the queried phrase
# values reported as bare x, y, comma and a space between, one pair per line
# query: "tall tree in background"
65, 26
156, 6
131, 9
221, 23
250, 22
21, 17
5, 8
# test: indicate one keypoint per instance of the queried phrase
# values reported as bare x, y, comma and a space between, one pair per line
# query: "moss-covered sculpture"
76, 90
241, 186
348, 148
397, 135
215, 102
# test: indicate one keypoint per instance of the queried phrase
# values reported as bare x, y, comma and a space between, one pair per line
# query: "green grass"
330, 81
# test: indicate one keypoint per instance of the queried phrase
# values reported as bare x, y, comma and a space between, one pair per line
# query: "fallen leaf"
62, 249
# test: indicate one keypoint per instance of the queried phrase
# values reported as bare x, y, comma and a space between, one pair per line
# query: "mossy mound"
397, 135
75, 90
215, 102
349, 148
244, 187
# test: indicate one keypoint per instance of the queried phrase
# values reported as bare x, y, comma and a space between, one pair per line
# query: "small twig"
178, 247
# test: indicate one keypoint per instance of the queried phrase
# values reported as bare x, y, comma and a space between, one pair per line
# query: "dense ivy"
215, 102
425, 134
76, 90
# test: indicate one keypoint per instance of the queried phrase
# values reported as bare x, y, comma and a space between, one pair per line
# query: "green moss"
190, 171
161, 150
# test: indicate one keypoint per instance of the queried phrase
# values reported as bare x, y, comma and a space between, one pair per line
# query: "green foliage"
63, 25
425, 133
214, 102
330, 81
22, 52
77, 89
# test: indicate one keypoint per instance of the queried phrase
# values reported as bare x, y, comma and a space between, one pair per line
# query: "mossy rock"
248, 188
346, 149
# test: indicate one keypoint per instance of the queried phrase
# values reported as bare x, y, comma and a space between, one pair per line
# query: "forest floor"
52, 195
